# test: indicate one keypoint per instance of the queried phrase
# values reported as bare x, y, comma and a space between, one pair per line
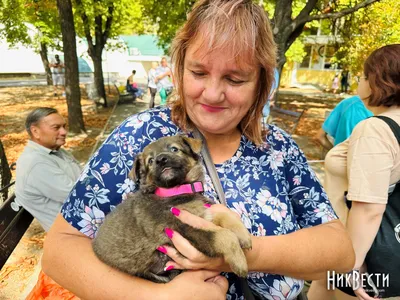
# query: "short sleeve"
104, 182
370, 159
331, 123
309, 200
351, 116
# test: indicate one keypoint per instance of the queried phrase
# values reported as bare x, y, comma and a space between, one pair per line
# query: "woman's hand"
362, 295
184, 255
197, 285
360, 292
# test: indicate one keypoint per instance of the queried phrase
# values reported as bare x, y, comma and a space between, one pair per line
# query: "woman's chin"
216, 130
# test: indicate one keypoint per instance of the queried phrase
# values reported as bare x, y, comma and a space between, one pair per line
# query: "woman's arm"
362, 225
161, 76
322, 139
305, 254
69, 259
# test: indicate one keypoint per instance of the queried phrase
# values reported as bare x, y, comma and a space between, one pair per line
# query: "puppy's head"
168, 162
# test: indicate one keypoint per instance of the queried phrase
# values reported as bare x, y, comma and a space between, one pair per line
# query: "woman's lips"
212, 109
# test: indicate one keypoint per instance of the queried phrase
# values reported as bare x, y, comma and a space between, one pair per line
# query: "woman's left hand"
362, 294
185, 256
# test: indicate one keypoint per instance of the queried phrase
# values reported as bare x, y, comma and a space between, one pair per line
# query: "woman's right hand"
197, 285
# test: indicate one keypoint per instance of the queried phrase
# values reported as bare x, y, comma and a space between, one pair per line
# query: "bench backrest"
14, 221
295, 116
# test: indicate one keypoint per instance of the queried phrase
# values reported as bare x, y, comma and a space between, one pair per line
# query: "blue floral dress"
271, 187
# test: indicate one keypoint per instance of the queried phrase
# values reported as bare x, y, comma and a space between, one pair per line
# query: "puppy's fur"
129, 236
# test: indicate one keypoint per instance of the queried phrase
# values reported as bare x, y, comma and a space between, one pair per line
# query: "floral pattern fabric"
271, 188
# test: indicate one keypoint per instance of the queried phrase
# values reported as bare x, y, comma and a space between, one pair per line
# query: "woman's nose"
214, 91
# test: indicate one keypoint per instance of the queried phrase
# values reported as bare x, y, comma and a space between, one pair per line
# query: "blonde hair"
236, 24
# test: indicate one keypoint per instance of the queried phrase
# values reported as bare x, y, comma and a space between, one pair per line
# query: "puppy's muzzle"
162, 160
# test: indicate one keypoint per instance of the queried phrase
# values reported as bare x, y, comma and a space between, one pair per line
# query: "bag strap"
212, 171
393, 126
396, 131
210, 167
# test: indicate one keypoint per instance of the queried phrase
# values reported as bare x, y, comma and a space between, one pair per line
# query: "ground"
16, 102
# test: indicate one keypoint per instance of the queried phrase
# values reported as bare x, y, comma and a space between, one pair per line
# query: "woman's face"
363, 89
218, 92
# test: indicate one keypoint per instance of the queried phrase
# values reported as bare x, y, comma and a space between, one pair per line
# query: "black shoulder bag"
383, 258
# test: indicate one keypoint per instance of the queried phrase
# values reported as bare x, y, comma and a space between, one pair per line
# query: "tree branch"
98, 32
341, 13
305, 12
86, 26
109, 22
282, 14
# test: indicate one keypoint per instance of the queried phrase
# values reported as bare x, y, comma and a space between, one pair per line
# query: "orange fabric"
47, 289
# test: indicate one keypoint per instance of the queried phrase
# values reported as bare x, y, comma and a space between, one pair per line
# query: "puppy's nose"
161, 159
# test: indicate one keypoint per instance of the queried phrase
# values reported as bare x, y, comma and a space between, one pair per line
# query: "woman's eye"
234, 81
151, 160
173, 149
197, 74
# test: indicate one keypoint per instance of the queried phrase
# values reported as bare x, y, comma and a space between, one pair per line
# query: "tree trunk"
45, 61
5, 173
73, 93
98, 76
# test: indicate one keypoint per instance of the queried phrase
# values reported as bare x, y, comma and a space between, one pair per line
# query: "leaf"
97, 175
298, 189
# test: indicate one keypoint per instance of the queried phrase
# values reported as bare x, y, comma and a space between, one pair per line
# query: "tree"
370, 29
75, 117
43, 32
287, 28
101, 20
289, 18
167, 20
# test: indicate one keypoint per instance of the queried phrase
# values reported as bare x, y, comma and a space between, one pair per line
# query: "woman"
367, 162
224, 59
164, 80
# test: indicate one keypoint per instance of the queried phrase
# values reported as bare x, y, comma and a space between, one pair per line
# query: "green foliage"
124, 16
367, 30
167, 16
296, 52
41, 14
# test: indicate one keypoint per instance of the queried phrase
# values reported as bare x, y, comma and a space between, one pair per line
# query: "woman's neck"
222, 146
377, 110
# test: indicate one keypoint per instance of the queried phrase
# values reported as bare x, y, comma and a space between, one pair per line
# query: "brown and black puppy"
129, 236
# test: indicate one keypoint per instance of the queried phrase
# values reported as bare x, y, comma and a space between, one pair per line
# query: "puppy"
130, 235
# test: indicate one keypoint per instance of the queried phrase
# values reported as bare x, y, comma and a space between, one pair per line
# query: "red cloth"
47, 289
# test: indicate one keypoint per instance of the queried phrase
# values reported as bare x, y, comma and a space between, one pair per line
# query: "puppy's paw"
244, 239
238, 264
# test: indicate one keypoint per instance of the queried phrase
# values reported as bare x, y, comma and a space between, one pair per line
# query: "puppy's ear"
134, 174
194, 144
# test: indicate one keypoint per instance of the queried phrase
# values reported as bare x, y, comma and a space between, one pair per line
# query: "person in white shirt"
45, 172
57, 72
152, 82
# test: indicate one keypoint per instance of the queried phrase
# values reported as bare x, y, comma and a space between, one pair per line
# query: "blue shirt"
271, 187
344, 117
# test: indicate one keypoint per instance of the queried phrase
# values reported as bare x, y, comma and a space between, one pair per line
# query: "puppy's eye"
151, 160
173, 149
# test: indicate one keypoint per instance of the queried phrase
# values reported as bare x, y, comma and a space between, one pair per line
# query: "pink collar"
189, 188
